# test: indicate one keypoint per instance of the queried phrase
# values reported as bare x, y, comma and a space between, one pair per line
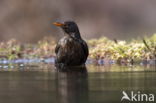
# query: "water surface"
97, 84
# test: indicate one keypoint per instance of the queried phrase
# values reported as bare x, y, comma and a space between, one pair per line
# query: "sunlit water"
43, 83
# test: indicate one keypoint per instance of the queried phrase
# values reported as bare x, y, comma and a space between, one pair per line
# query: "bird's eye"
65, 26
69, 25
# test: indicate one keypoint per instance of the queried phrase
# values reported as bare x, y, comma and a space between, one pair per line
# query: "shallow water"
42, 83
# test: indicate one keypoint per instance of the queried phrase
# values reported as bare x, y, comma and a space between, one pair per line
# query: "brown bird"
71, 50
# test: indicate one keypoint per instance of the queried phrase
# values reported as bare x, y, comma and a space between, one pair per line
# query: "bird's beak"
58, 24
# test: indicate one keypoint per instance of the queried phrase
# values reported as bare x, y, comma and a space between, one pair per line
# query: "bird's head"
69, 27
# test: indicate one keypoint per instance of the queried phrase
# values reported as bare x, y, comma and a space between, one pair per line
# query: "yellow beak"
58, 24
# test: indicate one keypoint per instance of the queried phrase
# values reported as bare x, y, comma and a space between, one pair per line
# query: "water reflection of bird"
71, 50
72, 86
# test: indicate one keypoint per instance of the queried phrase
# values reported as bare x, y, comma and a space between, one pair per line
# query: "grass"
123, 51
102, 48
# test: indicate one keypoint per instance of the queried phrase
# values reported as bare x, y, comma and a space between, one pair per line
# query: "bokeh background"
31, 20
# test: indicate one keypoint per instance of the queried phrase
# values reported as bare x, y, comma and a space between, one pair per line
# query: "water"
42, 83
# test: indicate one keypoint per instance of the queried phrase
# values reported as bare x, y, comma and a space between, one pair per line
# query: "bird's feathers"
71, 51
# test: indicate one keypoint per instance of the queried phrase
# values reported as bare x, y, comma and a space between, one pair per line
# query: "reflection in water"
72, 85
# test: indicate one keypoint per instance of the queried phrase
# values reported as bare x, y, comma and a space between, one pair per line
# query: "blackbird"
71, 50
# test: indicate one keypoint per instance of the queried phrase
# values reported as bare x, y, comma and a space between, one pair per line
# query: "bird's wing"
57, 48
85, 48
59, 57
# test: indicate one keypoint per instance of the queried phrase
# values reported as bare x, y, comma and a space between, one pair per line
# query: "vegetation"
122, 51
102, 48
15, 50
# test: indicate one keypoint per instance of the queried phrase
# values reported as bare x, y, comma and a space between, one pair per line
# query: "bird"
71, 49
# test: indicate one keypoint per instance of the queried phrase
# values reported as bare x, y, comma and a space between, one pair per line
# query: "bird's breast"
70, 46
